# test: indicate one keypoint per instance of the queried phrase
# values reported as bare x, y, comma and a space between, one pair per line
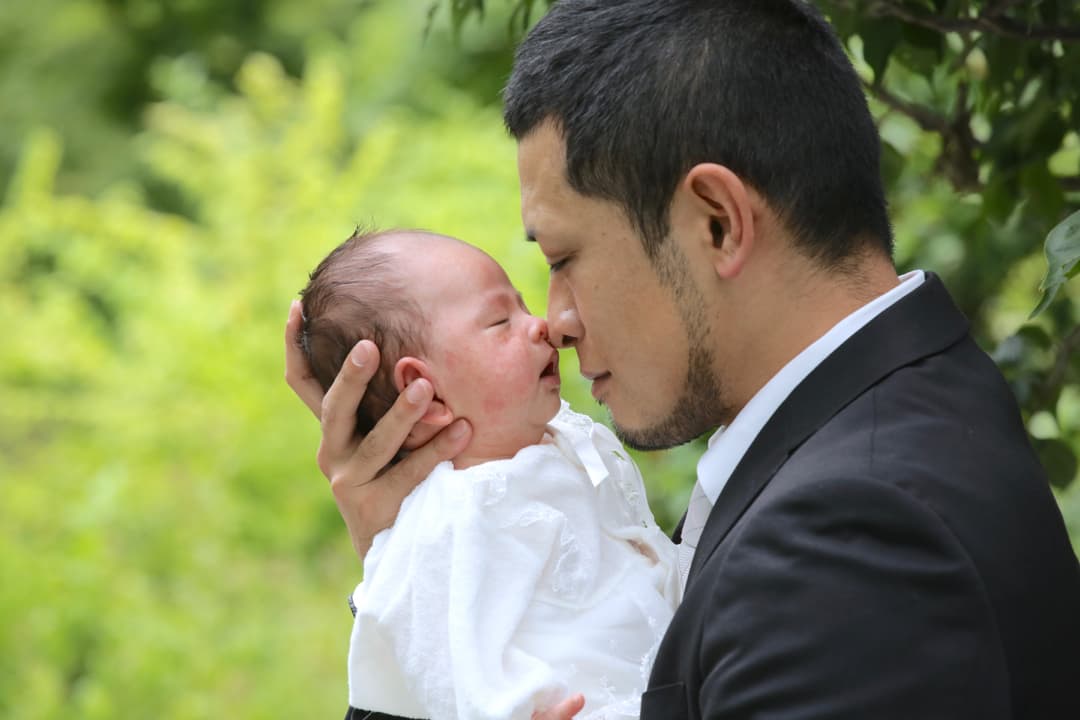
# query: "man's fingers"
387, 437
368, 501
400, 480
447, 445
339, 406
423, 432
565, 710
297, 370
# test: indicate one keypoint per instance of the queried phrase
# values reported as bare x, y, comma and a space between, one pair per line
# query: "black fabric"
356, 714
888, 547
676, 534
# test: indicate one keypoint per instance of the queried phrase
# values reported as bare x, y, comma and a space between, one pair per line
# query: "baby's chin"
554, 412
495, 441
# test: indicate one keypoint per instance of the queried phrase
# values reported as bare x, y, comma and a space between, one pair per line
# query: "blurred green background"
169, 174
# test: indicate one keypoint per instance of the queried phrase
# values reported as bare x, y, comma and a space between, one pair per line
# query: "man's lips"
598, 379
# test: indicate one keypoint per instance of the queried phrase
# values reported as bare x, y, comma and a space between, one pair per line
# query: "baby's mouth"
552, 368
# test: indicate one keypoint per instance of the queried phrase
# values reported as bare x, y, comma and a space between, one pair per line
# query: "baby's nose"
538, 329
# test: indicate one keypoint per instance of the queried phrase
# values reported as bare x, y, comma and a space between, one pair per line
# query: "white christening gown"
503, 587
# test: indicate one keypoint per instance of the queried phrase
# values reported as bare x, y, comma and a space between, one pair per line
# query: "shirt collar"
729, 443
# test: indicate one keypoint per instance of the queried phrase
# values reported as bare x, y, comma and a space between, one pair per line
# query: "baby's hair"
356, 293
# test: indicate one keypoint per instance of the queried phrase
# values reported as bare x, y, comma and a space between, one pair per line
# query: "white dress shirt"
502, 586
729, 443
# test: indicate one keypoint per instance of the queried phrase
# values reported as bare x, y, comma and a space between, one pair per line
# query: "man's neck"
800, 309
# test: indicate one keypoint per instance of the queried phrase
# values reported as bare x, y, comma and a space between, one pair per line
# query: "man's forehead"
542, 157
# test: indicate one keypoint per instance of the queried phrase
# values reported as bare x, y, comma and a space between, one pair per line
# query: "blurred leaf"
1062, 257
1035, 337
1058, 459
1042, 191
173, 172
1022, 348
880, 38
920, 49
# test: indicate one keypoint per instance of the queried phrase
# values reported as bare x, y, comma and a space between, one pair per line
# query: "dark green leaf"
1000, 196
1058, 459
1035, 336
1042, 192
880, 38
924, 38
521, 17
844, 20
1062, 257
1049, 12
892, 164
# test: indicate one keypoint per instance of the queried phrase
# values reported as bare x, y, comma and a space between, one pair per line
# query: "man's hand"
565, 710
368, 495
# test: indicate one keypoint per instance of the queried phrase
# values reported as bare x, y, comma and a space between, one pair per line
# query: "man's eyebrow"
530, 236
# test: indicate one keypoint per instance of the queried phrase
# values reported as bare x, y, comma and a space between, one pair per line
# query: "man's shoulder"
945, 430
951, 405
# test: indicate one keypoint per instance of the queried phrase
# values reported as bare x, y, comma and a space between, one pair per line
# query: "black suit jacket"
888, 547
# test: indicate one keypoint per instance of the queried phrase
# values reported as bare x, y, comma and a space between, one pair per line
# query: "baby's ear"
438, 416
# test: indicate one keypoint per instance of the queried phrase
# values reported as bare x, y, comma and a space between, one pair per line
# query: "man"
870, 534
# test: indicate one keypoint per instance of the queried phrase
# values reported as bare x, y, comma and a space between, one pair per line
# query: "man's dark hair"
356, 293
643, 90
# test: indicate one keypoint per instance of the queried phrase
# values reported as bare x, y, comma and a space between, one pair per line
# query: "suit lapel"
676, 534
923, 323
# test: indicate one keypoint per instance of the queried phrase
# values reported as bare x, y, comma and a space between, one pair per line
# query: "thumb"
449, 443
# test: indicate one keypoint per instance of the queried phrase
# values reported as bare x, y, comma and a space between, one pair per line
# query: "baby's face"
490, 358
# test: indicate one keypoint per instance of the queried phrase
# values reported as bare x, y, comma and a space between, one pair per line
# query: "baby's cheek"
494, 403
502, 391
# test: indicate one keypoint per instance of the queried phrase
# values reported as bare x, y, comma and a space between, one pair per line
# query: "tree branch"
992, 21
1000, 7
926, 118
957, 158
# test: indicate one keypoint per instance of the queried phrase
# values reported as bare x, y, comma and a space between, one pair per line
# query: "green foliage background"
170, 173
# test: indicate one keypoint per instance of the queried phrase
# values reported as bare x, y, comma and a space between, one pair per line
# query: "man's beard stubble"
702, 405
699, 409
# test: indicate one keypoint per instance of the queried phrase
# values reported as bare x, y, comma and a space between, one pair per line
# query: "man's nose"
564, 327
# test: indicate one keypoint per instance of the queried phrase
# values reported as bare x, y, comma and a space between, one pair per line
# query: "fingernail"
457, 430
359, 356
415, 392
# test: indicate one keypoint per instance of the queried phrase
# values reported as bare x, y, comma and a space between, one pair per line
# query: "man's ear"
721, 213
438, 415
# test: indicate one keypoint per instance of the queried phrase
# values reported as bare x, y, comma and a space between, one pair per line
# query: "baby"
530, 565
